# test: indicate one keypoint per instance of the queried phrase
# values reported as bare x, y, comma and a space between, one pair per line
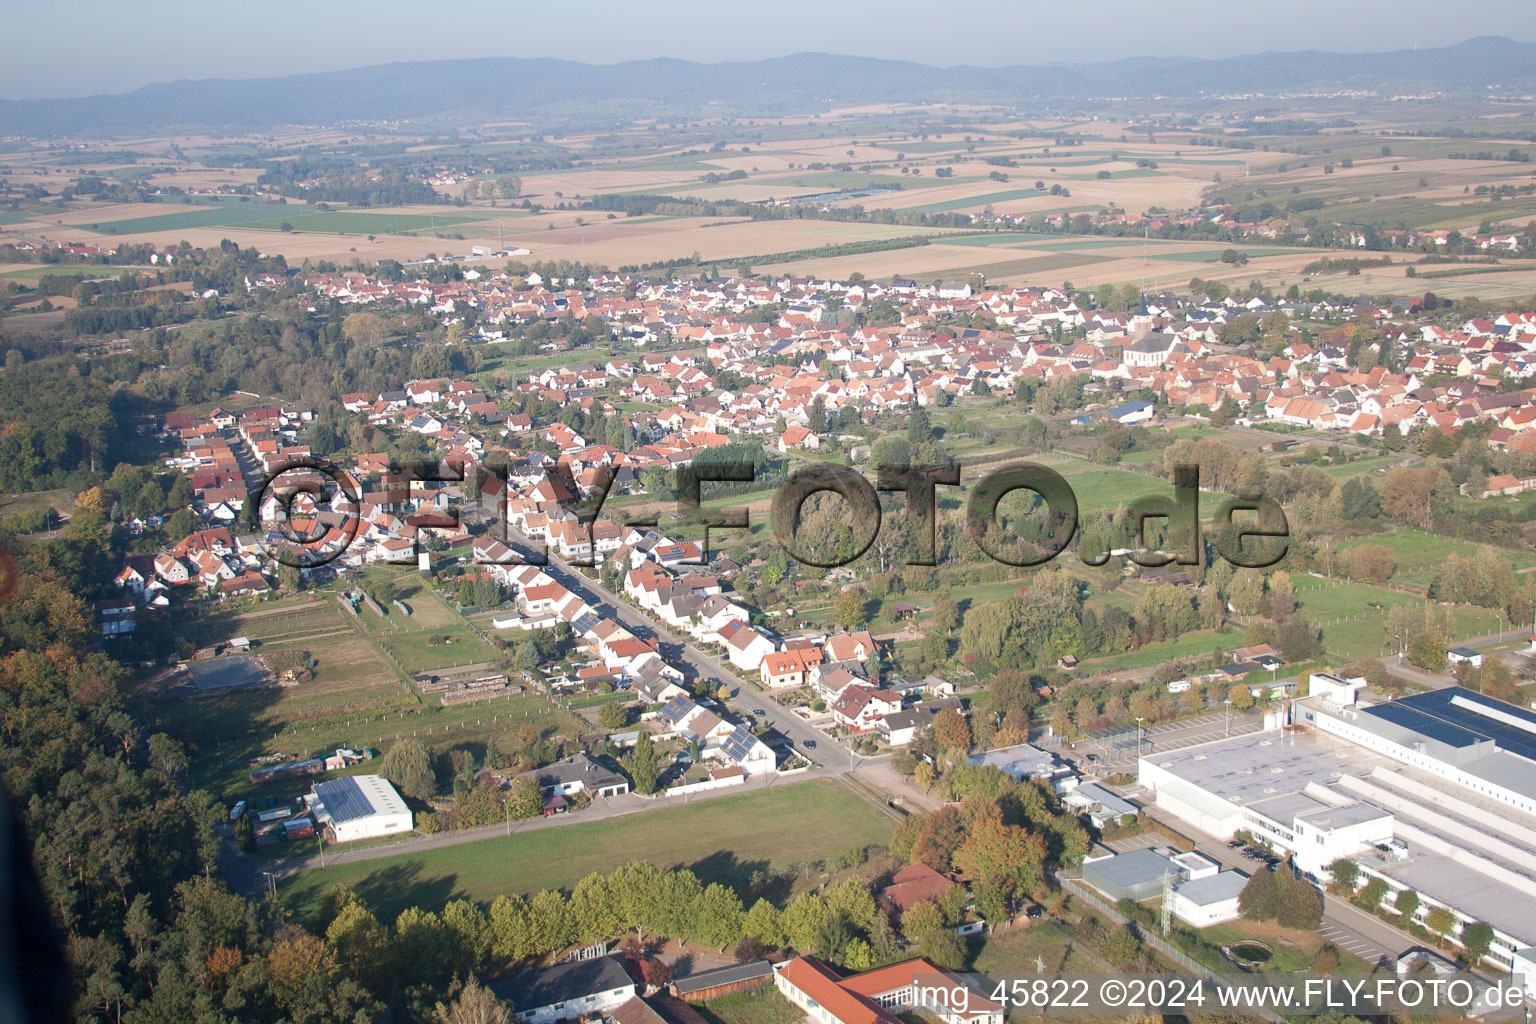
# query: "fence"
1154, 941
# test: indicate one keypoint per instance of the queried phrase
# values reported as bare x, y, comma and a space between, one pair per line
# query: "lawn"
34, 501
1354, 628
1116, 488
1344, 470
222, 215
754, 1006
1294, 950
271, 216
1420, 553
724, 839
1190, 645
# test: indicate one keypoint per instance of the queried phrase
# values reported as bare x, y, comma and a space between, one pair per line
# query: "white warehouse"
1432, 793
359, 807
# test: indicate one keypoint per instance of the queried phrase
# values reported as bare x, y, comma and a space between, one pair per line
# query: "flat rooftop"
1270, 772
1459, 717
1256, 766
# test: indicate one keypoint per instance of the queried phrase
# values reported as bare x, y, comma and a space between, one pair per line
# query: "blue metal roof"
344, 799
1459, 717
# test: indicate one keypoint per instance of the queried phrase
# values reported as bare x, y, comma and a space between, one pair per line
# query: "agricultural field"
889, 162
352, 685
724, 839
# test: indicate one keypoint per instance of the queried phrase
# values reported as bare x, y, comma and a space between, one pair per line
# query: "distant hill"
516, 87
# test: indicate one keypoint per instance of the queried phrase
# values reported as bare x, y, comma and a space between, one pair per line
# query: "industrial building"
359, 807
1209, 900
1142, 874
1199, 891
1435, 792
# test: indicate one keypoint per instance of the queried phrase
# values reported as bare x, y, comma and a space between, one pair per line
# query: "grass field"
1421, 553
357, 697
724, 839
345, 222
1353, 627
974, 202
271, 217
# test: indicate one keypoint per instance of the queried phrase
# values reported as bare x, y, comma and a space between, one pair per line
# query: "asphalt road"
697, 665
1344, 924
248, 874
1399, 665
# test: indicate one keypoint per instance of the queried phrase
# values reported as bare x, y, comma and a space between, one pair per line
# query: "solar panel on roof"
344, 799
1459, 717
738, 744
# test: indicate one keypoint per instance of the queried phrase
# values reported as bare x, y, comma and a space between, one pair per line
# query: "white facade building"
359, 807
1435, 793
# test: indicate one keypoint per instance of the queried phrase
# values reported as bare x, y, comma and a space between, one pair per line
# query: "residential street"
248, 874
694, 661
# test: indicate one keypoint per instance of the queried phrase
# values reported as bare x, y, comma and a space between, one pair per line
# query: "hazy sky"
80, 47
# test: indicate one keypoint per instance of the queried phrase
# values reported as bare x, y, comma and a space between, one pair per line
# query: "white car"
236, 811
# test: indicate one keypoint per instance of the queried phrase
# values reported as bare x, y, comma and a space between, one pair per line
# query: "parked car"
1234, 844
236, 811
810, 744
759, 712
1035, 913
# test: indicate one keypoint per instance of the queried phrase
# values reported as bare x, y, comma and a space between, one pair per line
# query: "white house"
745, 645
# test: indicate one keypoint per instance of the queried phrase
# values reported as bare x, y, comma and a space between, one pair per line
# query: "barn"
359, 807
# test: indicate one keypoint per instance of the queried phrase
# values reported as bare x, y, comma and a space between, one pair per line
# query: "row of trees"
1476, 938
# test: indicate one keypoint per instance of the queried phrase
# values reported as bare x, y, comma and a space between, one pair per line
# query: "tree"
849, 610
245, 834
642, 766
1427, 651
613, 715
1440, 921
1371, 896
921, 918
1407, 903
945, 948
1300, 906
475, 1004
408, 765
1259, 899
1240, 696
1372, 563
1001, 854
1476, 940
524, 797
764, 923
1345, 874
951, 730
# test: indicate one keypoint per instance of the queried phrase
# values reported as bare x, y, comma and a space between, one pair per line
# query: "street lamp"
271, 883
1228, 702
1138, 736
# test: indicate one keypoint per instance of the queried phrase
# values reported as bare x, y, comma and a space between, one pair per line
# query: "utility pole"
1167, 921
